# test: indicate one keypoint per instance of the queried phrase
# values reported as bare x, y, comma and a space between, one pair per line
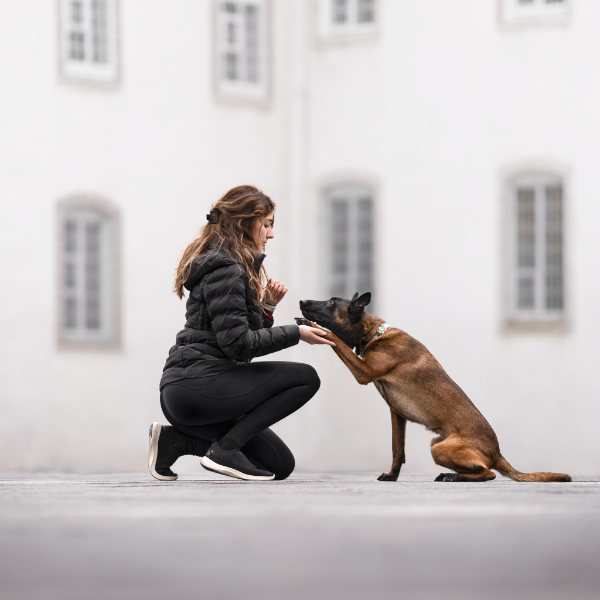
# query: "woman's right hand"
312, 335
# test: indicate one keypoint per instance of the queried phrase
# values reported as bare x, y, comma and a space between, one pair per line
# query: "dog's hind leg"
469, 463
398, 441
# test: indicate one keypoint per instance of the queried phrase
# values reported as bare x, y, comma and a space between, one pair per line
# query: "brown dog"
417, 389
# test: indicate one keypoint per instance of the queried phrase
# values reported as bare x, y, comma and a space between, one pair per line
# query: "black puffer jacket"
224, 322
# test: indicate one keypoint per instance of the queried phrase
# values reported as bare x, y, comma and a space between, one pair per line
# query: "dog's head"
342, 317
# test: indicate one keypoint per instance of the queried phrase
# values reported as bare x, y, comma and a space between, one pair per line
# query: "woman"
219, 404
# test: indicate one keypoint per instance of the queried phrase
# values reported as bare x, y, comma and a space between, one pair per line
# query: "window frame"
537, 317
88, 72
110, 337
351, 29
352, 188
243, 91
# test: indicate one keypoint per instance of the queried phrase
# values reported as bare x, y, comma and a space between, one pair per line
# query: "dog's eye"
331, 301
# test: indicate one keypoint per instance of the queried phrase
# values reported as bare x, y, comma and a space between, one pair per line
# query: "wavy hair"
239, 209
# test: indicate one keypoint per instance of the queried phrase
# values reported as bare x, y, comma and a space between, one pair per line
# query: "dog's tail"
504, 468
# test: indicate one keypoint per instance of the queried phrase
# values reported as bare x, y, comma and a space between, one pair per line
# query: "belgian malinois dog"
417, 389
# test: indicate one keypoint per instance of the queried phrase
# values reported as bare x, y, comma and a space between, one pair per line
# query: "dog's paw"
388, 477
447, 477
303, 321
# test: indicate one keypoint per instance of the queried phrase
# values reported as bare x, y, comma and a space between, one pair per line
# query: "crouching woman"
219, 404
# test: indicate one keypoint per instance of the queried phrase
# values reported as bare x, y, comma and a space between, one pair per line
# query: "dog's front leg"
372, 367
367, 370
398, 442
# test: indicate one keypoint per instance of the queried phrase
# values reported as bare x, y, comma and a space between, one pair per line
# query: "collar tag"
380, 330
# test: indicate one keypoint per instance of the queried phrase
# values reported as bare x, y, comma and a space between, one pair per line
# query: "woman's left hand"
275, 292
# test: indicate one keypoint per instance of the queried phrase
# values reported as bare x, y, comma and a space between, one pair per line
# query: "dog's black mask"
340, 316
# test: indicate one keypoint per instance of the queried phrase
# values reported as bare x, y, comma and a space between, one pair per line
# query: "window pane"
76, 46
231, 35
99, 31
252, 43
70, 236
339, 247
92, 276
365, 11
340, 11
554, 248
526, 227
364, 239
77, 11
231, 71
70, 315
525, 292
526, 247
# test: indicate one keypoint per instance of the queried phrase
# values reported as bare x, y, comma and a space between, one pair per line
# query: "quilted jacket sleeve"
225, 294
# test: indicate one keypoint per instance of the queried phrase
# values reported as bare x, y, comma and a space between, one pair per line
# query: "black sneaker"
232, 463
161, 453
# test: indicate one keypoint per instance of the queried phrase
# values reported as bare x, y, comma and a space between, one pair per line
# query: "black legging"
242, 404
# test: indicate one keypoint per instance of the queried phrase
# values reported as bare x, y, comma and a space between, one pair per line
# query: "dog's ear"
357, 305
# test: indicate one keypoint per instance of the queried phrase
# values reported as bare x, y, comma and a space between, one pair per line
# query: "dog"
417, 389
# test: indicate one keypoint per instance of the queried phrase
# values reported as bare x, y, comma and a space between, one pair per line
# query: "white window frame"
524, 12
351, 27
354, 281
517, 264
99, 61
80, 268
231, 40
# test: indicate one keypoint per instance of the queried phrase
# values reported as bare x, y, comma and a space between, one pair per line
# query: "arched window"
350, 239
88, 300
535, 261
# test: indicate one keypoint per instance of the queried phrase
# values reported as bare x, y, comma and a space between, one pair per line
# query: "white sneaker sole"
216, 468
153, 453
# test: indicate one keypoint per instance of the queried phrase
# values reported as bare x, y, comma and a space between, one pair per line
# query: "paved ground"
312, 537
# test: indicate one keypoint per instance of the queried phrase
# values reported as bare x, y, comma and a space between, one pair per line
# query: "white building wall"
434, 109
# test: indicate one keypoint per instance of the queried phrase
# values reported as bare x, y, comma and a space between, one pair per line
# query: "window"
88, 40
523, 11
536, 249
88, 277
350, 236
241, 64
346, 17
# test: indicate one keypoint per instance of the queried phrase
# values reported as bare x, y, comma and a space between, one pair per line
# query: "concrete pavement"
321, 536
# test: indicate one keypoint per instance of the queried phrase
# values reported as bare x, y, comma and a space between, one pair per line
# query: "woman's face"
263, 231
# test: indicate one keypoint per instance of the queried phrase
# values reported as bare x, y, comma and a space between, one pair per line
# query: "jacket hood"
212, 260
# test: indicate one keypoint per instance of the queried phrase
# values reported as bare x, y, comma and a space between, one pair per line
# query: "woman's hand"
312, 335
275, 292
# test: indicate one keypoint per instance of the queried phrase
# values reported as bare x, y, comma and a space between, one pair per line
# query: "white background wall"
435, 110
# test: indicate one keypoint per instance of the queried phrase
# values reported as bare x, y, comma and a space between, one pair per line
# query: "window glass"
242, 49
88, 39
350, 230
536, 248
88, 264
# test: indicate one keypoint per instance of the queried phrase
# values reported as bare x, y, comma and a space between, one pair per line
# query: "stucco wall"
435, 110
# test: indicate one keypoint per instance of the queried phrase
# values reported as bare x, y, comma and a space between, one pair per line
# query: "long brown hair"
238, 210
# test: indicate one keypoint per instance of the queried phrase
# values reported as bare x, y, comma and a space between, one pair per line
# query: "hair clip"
213, 216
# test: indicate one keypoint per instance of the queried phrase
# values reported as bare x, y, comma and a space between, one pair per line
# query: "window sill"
106, 347
340, 37
550, 327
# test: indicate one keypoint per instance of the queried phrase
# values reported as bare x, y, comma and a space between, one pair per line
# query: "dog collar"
381, 329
